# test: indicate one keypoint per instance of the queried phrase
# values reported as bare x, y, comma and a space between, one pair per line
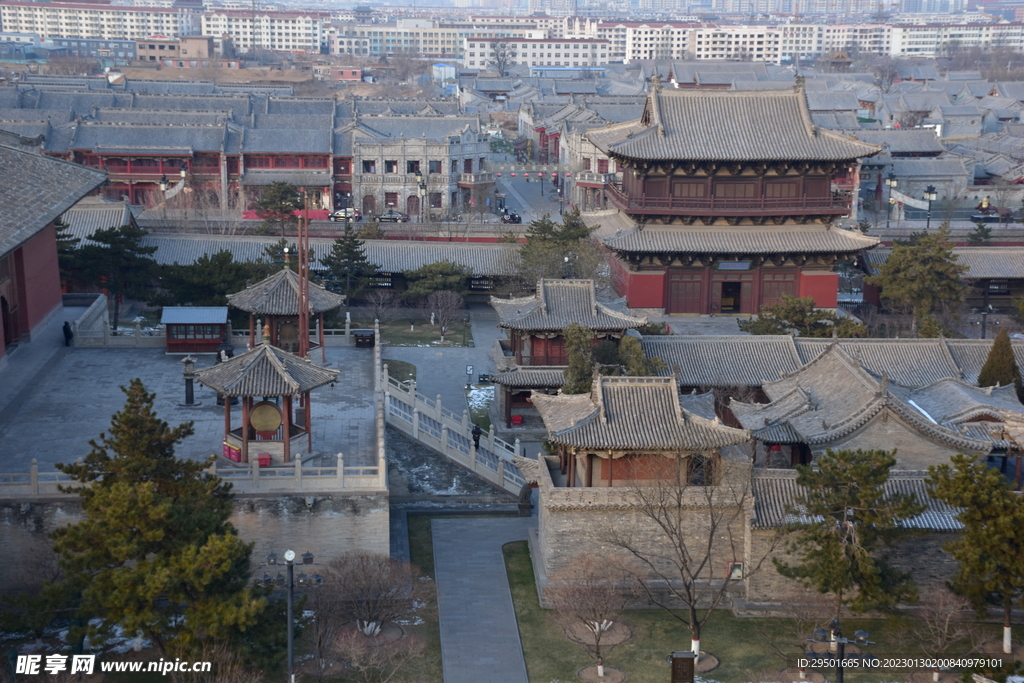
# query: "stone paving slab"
72, 400
479, 633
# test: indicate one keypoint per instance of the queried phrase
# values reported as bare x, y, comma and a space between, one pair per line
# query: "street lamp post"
289, 583
891, 183
929, 194
834, 637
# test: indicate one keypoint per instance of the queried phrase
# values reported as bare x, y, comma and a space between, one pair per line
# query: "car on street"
511, 218
393, 216
349, 213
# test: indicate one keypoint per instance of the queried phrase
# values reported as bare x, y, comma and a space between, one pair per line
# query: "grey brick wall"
331, 527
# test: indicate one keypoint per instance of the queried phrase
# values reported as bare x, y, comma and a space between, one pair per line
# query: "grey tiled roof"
430, 127
731, 125
777, 496
781, 239
95, 213
279, 295
626, 413
982, 262
907, 362
559, 303
531, 377
114, 138
830, 100
36, 190
733, 361
194, 315
970, 355
833, 396
287, 140
903, 140
265, 371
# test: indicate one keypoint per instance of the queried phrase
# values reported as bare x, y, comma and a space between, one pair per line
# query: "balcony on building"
827, 203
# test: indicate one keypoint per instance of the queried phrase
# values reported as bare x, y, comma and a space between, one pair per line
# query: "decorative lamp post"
837, 645
891, 183
280, 582
423, 193
190, 376
164, 183
929, 194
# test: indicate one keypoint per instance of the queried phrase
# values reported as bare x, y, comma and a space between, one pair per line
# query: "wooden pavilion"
269, 425
276, 300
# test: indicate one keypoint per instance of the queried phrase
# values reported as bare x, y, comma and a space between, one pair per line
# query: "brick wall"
887, 432
331, 527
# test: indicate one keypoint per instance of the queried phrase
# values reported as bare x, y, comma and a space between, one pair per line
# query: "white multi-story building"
111, 22
419, 37
934, 40
296, 31
751, 43
634, 40
564, 52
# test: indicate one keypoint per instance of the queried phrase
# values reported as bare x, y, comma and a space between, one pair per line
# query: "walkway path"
443, 370
479, 633
30, 363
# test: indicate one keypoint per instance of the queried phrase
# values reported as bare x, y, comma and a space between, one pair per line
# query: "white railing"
442, 430
244, 479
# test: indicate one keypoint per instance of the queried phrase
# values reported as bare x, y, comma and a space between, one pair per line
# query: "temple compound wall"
326, 526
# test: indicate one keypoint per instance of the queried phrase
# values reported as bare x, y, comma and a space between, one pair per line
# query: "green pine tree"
155, 552
436, 277
633, 361
277, 205
347, 264
67, 250
846, 521
208, 281
1000, 367
117, 261
922, 276
990, 549
579, 375
801, 317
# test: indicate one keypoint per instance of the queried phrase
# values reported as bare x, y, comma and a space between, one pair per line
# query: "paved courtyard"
71, 398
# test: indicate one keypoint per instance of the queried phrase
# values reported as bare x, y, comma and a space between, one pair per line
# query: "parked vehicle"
393, 216
511, 218
350, 213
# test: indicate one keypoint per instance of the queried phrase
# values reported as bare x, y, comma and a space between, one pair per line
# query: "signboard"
908, 200
734, 265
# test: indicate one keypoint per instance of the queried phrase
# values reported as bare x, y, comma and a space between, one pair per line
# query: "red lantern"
498, 175
526, 175
568, 175
513, 175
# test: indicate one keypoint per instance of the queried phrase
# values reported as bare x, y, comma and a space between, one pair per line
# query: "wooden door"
685, 293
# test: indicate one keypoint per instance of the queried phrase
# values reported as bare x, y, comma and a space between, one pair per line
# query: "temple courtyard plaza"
50, 415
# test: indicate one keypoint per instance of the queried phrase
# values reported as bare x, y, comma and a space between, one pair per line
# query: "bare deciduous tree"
326, 625
375, 590
447, 308
383, 303
588, 597
696, 513
944, 620
503, 57
376, 662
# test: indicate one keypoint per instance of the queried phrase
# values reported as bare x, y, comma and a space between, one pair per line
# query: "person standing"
477, 433
68, 334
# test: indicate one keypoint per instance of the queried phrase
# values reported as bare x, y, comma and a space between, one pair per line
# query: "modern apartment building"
417, 37
109, 22
294, 31
537, 52
635, 40
934, 40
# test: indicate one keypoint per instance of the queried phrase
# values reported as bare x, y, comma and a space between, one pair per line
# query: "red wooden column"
309, 421
323, 349
287, 427
245, 426
227, 417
